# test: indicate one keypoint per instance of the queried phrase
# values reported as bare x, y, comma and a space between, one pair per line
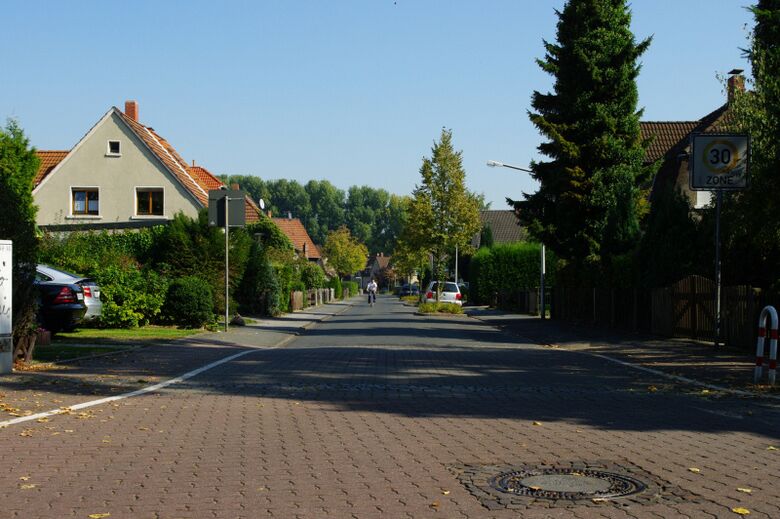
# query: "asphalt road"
378, 412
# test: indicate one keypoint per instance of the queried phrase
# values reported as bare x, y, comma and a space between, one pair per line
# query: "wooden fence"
684, 309
313, 297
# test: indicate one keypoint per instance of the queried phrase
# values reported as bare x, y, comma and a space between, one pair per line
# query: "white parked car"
450, 293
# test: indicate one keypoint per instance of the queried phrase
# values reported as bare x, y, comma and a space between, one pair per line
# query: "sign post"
228, 216
719, 162
6, 307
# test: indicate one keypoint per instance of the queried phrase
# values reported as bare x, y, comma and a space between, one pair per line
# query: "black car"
60, 305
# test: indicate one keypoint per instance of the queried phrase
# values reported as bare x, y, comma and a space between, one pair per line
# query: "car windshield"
448, 287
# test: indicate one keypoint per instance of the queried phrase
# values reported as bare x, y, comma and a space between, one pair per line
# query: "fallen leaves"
27, 486
771, 448
599, 499
435, 505
99, 516
745, 490
694, 470
741, 511
652, 389
537, 423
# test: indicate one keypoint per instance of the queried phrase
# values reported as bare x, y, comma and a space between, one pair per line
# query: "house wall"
116, 178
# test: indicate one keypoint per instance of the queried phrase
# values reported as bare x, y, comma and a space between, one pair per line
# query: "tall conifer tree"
590, 200
752, 218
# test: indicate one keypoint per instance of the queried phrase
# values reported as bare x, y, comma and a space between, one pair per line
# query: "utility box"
6, 307
236, 203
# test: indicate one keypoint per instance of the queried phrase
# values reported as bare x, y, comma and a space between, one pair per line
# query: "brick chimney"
235, 187
735, 83
131, 110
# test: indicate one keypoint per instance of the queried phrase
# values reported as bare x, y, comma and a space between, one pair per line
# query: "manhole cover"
566, 483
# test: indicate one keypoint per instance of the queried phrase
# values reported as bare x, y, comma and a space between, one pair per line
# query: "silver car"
90, 288
450, 293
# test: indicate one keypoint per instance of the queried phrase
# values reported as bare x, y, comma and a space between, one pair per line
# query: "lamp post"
542, 268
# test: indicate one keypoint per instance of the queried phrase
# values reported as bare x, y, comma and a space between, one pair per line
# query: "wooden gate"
686, 309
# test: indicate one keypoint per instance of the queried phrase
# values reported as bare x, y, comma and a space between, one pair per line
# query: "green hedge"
507, 266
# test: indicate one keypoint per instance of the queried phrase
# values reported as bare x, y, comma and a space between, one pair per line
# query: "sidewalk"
698, 361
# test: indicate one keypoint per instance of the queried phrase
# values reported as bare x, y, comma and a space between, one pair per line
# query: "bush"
335, 284
259, 292
352, 286
440, 308
131, 297
189, 302
312, 275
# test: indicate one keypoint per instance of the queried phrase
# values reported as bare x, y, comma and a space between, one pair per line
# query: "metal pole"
456, 264
227, 262
543, 309
719, 201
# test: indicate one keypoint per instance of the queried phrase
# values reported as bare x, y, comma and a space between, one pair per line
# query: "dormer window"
114, 149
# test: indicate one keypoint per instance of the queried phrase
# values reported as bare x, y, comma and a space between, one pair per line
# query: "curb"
686, 380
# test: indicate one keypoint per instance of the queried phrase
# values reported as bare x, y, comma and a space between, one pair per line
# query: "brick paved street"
377, 412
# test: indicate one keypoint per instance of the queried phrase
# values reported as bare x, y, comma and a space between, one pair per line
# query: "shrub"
189, 302
312, 275
131, 297
259, 292
352, 286
440, 308
335, 284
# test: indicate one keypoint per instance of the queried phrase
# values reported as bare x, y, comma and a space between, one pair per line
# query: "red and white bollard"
768, 312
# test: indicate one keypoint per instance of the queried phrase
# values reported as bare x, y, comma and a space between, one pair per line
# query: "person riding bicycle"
372, 286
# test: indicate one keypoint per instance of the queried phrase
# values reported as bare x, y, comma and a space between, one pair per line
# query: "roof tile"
49, 160
295, 230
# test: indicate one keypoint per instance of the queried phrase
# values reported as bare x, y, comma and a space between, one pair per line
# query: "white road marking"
137, 392
160, 385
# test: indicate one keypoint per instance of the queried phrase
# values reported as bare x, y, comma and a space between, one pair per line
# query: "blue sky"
354, 92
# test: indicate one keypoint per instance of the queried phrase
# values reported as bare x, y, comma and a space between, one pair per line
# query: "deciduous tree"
443, 214
344, 252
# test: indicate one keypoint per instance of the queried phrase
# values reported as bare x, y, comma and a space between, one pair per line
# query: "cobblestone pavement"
380, 413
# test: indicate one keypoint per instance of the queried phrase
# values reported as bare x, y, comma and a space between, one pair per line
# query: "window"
149, 201
85, 201
114, 149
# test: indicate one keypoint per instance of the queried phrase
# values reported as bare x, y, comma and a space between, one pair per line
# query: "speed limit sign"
719, 162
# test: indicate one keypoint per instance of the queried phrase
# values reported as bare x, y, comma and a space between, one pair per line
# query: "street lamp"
542, 309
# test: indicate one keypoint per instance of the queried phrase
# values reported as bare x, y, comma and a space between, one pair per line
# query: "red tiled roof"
167, 155
295, 230
665, 135
208, 181
672, 137
204, 177
49, 160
